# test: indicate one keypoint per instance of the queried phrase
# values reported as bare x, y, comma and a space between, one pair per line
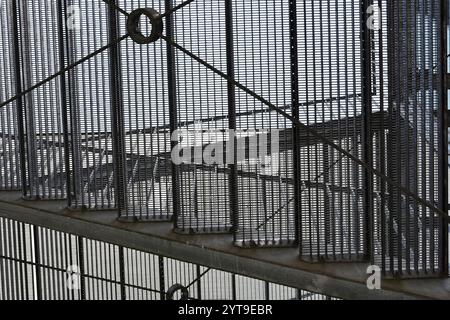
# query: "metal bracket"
174, 289
134, 29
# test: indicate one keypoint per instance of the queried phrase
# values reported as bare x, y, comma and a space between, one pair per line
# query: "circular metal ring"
174, 289
134, 29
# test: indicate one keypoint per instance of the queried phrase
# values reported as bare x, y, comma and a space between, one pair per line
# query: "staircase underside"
281, 265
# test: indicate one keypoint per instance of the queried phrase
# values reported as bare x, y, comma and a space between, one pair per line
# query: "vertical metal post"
173, 107
123, 295
327, 167
117, 113
199, 282
366, 48
81, 265
162, 278
37, 261
233, 287
389, 243
443, 177
19, 101
296, 114
25, 254
76, 197
267, 291
232, 126
64, 104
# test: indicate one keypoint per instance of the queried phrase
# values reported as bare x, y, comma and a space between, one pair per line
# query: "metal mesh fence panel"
40, 52
10, 165
42, 264
146, 124
90, 101
264, 138
410, 236
202, 119
330, 91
